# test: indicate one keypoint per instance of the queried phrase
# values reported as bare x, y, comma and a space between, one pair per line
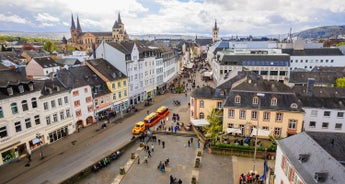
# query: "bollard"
132, 156
122, 171
197, 163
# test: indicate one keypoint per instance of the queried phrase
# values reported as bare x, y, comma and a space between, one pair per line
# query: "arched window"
1, 113
274, 101
25, 105
34, 102
14, 108
237, 99
201, 115
201, 104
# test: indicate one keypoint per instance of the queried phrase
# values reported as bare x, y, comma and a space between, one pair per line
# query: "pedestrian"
163, 144
41, 155
179, 181
188, 143
28, 156
149, 154
147, 112
159, 142
171, 179
138, 160
152, 147
198, 143
191, 140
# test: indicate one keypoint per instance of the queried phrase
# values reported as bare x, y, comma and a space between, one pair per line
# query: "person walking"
159, 142
152, 148
188, 143
149, 154
163, 144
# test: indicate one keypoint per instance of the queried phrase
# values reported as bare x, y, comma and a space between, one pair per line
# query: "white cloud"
45, 17
13, 18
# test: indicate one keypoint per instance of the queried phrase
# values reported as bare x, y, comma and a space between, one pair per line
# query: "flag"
263, 176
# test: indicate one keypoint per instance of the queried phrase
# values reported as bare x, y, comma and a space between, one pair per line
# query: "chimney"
310, 86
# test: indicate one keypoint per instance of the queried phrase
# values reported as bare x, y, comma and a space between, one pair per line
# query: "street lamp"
257, 129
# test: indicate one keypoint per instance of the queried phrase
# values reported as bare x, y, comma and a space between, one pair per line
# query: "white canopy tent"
233, 130
189, 65
261, 133
207, 74
200, 122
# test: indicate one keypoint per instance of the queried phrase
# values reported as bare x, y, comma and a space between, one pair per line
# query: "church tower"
75, 31
118, 32
215, 32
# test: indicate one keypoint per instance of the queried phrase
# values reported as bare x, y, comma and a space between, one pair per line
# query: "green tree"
340, 82
50, 46
340, 44
215, 120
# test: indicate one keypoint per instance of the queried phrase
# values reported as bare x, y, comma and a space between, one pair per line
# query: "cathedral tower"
215, 32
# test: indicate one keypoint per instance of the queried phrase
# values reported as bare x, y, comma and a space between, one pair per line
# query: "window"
114, 96
78, 113
34, 102
120, 94
237, 99
1, 113
274, 101
113, 85
265, 128
231, 113
325, 125
60, 101
76, 103
96, 102
266, 116
75, 93
45, 105
25, 105
340, 114
119, 84
230, 125
28, 123
125, 92
292, 124
254, 114
88, 99
219, 105
338, 125
21, 88
313, 113
37, 119
68, 114
55, 118
3, 132
62, 115
14, 108
255, 100
201, 115
86, 90
279, 116
124, 83
53, 103
66, 99
48, 120
277, 131
201, 104
312, 124
327, 113
18, 126
242, 114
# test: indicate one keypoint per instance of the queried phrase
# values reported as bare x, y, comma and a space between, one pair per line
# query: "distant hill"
324, 32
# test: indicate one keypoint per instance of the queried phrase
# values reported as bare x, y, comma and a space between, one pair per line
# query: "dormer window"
21, 88
255, 100
274, 101
9, 91
303, 157
237, 99
31, 87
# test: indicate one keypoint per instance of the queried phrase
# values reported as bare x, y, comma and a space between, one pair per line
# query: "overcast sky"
234, 17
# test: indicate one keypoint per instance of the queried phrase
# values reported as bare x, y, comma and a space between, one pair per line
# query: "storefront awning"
233, 130
261, 133
36, 140
200, 122
207, 74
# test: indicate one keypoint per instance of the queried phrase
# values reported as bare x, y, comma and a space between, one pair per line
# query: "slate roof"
68, 61
241, 75
107, 69
256, 60
124, 48
51, 87
13, 78
46, 62
285, 96
324, 92
203, 42
81, 76
318, 146
314, 52
208, 92
326, 77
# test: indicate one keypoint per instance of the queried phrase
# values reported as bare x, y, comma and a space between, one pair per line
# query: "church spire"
215, 24
78, 24
72, 23
119, 19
